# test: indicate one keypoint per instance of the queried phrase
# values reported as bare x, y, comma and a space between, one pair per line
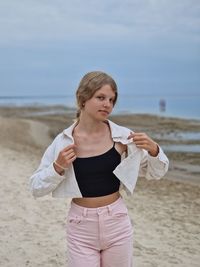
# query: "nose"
107, 103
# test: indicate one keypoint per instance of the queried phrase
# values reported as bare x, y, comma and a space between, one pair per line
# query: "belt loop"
109, 209
85, 212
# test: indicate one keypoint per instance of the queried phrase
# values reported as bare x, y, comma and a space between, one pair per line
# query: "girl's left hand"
142, 140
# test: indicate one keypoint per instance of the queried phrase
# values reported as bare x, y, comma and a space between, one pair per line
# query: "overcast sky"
148, 46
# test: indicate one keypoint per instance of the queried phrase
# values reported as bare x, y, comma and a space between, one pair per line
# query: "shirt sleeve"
45, 179
153, 167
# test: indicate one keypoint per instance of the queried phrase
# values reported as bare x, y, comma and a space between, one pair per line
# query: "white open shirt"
136, 162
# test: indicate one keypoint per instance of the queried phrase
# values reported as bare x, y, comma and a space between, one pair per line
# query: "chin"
103, 118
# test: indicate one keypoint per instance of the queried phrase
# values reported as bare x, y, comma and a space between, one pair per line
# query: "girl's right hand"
65, 158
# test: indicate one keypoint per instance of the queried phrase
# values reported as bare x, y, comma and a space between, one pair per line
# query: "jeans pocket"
120, 213
74, 220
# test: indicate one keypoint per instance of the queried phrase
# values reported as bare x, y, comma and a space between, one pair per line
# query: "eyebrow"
102, 94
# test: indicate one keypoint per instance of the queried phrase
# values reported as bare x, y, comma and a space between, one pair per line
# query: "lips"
104, 111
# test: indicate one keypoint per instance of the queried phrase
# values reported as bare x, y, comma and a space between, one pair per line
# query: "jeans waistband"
96, 211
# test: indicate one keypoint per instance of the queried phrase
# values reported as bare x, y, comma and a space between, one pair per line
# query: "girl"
91, 162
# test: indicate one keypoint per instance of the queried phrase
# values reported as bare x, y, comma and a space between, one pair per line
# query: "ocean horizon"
181, 106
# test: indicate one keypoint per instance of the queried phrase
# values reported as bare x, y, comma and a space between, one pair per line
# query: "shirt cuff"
161, 156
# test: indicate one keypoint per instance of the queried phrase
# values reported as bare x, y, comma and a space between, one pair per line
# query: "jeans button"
99, 210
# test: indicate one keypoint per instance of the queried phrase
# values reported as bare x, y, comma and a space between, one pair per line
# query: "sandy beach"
165, 213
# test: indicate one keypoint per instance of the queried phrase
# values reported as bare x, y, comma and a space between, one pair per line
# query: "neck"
89, 125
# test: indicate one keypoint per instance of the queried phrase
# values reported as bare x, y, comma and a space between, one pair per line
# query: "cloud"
48, 20
149, 43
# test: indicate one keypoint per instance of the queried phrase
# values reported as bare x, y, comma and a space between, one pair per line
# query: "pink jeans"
99, 237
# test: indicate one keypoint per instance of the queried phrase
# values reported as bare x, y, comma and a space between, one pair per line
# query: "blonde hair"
89, 84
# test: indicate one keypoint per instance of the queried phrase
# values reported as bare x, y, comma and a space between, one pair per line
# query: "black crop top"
95, 175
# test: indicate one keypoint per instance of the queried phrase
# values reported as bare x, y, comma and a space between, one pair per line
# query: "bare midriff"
95, 202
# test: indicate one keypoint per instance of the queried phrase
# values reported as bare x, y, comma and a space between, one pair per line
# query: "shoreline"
61, 109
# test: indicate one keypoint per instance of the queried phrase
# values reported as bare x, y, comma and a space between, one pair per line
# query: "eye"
101, 98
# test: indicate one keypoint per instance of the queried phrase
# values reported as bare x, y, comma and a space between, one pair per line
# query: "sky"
149, 47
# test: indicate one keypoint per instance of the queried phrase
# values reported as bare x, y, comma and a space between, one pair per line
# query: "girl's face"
101, 103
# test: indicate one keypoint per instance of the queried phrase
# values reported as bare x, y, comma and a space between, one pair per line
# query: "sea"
180, 106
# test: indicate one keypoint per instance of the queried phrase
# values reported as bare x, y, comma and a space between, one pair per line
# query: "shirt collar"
68, 132
115, 129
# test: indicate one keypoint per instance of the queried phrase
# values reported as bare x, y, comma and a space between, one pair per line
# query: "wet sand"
165, 213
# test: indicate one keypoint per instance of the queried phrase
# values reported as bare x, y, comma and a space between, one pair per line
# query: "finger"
72, 159
70, 155
135, 135
65, 153
139, 135
141, 142
69, 161
65, 149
